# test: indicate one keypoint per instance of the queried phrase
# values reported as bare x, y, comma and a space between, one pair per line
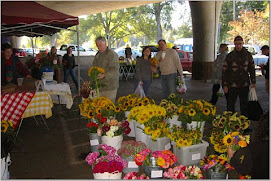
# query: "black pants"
214, 98
242, 93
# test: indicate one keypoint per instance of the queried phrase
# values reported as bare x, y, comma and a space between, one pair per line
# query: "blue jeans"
146, 86
72, 72
168, 83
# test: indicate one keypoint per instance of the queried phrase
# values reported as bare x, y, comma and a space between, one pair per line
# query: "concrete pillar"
205, 18
15, 41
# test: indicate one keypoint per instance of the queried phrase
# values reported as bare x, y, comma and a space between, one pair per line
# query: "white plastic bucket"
106, 175
193, 125
139, 135
160, 144
174, 120
5, 162
114, 142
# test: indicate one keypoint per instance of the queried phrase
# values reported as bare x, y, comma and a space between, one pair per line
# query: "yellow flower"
148, 130
117, 109
200, 105
212, 139
213, 110
233, 134
90, 114
206, 111
113, 122
4, 126
160, 161
192, 112
227, 140
98, 110
180, 110
172, 96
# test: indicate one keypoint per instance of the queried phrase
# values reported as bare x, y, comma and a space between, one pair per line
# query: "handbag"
181, 87
255, 110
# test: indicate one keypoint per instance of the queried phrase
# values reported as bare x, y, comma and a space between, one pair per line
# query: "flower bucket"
5, 162
153, 172
106, 175
174, 120
139, 135
216, 175
114, 142
190, 155
48, 74
131, 125
94, 141
194, 125
160, 144
132, 166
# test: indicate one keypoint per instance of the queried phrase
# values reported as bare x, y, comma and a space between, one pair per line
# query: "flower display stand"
132, 166
194, 124
190, 155
216, 175
114, 142
95, 141
160, 144
5, 162
174, 120
106, 175
139, 135
131, 125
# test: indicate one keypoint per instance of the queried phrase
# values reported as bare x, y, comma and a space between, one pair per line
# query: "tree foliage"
253, 26
226, 14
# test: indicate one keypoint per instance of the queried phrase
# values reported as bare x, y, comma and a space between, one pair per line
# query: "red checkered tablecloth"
13, 105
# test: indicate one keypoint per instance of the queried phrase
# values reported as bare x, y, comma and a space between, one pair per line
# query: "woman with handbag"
144, 70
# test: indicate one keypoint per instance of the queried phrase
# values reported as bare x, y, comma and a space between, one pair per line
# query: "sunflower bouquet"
171, 104
97, 111
184, 137
126, 103
196, 110
94, 73
227, 132
154, 61
7, 137
153, 119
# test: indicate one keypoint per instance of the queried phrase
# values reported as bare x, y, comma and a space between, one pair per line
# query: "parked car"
256, 53
121, 53
82, 51
186, 59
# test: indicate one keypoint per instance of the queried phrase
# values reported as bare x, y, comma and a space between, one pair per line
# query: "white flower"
55, 62
110, 134
114, 128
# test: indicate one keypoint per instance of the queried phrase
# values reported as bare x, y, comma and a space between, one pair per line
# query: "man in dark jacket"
265, 51
238, 74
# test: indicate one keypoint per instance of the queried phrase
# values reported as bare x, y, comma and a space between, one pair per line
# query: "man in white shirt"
169, 63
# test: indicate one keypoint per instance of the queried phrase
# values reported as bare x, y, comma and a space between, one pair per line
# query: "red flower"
125, 124
99, 116
105, 128
103, 120
91, 124
127, 130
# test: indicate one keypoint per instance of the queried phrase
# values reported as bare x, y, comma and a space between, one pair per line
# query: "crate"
190, 155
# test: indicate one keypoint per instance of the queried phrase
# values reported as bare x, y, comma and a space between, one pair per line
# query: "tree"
226, 14
252, 26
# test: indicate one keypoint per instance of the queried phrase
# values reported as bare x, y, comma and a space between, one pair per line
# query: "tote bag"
255, 110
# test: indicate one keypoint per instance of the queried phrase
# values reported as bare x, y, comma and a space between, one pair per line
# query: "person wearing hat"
237, 75
265, 51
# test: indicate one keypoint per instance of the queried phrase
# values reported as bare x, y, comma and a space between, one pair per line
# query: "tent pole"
78, 59
32, 44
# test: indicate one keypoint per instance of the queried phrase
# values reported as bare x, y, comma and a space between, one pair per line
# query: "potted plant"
112, 132
188, 145
194, 113
128, 150
171, 104
133, 176
228, 130
155, 163
7, 143
182, 172
216, 165
105, 163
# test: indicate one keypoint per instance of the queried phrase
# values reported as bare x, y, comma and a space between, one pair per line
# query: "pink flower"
139, 159
90, 159
145, 152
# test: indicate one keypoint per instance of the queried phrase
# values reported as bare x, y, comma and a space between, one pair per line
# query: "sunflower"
90, 114
98, 110
148, 130
117, 109
191, 112
172, 96
227, 140
206, 111
108, 108
4, 126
